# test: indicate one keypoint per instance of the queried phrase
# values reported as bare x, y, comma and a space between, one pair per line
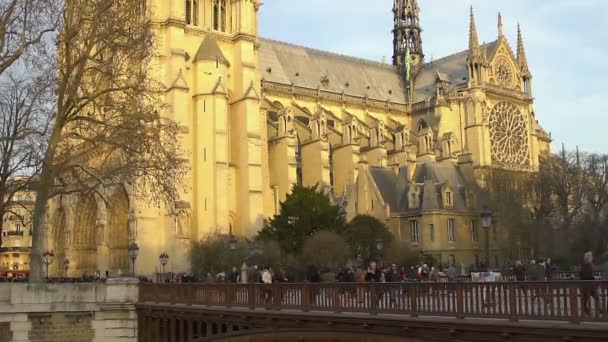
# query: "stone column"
345, 163
20, 328
315, 164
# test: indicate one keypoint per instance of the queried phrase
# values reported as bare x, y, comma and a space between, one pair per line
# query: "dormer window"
449, 200
414, 200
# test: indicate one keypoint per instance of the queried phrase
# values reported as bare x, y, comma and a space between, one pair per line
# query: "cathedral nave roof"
286, 63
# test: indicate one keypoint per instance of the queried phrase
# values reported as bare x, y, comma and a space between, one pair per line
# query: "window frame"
451, 227
414, 232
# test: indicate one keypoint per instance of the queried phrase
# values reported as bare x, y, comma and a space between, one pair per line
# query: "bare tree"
26, 28
568, 178
596, 185
109, 126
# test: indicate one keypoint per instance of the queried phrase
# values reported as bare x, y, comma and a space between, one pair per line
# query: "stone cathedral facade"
404, 142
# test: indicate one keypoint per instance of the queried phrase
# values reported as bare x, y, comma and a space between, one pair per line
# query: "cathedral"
404, 142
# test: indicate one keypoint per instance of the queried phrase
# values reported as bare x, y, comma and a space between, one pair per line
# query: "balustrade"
555, 301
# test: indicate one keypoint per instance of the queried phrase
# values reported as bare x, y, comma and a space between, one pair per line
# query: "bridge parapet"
555, 301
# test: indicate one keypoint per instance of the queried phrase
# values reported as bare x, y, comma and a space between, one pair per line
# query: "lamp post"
133, 252
47, 259
164, 259
66, 266
486, 224
232, 242
379, 247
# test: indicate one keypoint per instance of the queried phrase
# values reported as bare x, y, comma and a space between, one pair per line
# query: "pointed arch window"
216, 15
223, 15
219, 15
189, 12
192, 12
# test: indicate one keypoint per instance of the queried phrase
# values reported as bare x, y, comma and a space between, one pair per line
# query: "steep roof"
286, 63
429, 178
210, 51
454, 67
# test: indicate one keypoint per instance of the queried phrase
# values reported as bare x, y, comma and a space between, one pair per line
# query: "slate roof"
429, 178
452, 67
286, 63
210, 51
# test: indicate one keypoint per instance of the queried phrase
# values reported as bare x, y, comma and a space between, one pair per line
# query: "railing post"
306, 294
251, 293
337, 306
574, 309
413, 299
514, 315
459, 302
373, 299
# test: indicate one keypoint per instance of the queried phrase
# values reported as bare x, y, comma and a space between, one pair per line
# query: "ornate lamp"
133, 253
164, 259
47, 259
486, 224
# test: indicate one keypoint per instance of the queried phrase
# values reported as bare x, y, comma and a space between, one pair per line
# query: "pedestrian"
266, 276
520, 271
589, 290
393, 275
373, 274
548, 269
234, 276
411, 273
452, 273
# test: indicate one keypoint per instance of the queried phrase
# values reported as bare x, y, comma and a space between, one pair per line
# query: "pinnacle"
521, 51
473, 38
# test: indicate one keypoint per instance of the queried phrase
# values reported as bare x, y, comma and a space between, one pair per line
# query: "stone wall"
69, 312
62, 327
5, 332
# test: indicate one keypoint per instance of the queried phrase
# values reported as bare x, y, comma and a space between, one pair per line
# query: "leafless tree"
26, 28
596, 185
568, 178
109, 126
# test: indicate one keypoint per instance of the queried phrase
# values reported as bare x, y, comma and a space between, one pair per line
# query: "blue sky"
566, 44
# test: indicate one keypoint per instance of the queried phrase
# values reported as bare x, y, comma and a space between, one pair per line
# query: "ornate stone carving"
504, 72
509, 135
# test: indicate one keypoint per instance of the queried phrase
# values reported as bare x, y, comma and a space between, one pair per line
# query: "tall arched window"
195, 12
216, 15
188, 12
223, 15
192, 12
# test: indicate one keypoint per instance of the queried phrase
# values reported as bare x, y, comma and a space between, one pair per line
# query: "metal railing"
573, 301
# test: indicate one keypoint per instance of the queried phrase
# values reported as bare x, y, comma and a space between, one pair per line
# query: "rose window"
509, 135
504, 72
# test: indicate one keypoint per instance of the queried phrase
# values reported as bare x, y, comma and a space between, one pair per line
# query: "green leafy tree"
326, 250
399, 252
363, 234
304, 212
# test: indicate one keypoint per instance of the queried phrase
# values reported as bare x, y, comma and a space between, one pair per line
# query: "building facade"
17, 235
405, 142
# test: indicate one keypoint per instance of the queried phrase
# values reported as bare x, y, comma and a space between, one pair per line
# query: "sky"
565, 43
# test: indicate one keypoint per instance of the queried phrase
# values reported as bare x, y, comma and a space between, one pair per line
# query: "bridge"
504, 311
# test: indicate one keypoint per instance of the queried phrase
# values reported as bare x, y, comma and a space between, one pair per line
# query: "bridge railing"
555, 301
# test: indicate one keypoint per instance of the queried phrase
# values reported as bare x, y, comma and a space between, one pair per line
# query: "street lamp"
47, 259
379, 247
164, 259
133, 252
486, 224
232, 242
66, 266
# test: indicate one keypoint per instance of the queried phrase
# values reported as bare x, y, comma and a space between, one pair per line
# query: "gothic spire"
522, 60
500, 34
407, 33
473, 38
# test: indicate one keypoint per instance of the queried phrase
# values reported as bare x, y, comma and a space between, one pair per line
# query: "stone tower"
407, 34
